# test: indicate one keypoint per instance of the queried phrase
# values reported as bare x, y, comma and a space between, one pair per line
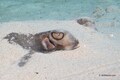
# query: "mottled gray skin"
33, 43
27, 42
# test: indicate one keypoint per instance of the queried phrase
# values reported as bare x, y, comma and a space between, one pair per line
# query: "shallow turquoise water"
20, 10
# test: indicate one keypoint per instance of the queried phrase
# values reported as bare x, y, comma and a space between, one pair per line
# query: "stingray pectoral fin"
47, 44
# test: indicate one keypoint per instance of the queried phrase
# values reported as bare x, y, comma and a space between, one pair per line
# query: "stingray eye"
57, 35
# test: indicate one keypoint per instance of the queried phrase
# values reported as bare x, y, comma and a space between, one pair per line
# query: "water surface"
12, 10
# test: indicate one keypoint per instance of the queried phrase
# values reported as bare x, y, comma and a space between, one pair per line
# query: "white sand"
98, 54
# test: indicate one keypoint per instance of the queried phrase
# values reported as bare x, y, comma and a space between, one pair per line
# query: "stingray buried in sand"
44, 42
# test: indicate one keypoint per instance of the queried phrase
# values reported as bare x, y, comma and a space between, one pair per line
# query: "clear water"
20, 10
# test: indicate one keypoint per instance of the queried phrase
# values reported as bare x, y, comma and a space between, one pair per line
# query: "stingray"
44, 42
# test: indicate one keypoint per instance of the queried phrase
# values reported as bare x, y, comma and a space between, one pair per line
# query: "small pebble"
36, 72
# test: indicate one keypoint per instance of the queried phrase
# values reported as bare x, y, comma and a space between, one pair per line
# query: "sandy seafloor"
97, 58
98, 54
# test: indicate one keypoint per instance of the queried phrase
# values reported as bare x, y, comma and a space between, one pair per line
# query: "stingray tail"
25, 59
